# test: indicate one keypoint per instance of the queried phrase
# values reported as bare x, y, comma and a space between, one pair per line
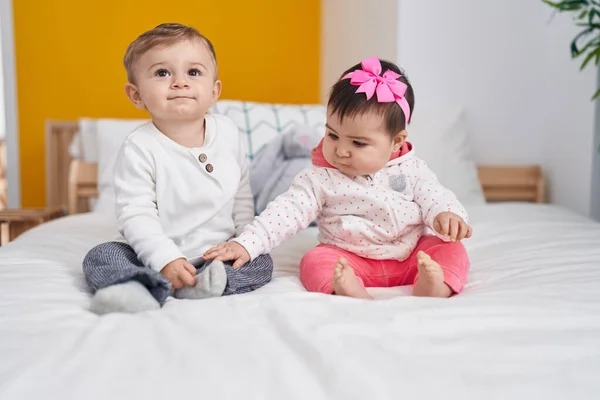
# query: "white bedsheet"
527, 325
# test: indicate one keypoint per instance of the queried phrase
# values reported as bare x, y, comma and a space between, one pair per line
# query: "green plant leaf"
593, 26
550, 3
575, 3
587, 42
593, 12
591, 42
583, 14
567, 5
586, 60
574, 51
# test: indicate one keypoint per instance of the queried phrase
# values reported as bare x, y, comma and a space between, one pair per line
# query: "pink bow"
387, 86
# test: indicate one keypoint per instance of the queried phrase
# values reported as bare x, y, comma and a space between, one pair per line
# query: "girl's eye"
162, 72
359, 144
194, 72
333, 136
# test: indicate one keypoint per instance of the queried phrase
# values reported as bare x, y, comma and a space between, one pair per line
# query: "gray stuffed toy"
278, 162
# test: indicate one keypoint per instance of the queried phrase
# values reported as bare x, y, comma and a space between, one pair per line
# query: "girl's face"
359, 145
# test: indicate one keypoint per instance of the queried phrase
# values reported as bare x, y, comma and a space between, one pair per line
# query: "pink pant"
316, 267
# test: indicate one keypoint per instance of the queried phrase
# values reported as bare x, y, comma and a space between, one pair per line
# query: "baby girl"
384, 218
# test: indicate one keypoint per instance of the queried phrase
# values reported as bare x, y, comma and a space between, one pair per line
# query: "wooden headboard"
59, 135
71, 183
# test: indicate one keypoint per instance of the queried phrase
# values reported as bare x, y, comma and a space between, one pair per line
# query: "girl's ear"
399, 139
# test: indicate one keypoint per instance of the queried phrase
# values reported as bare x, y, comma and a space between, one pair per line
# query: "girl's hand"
452, 226
228, 251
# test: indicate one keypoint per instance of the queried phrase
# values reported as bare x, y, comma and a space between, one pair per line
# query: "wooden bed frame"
71, 183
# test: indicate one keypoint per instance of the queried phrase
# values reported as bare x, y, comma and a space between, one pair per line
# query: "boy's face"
359, 145
175, 83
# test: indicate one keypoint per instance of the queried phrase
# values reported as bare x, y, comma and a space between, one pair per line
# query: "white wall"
349, 35
596, 165
526, 100
13, 176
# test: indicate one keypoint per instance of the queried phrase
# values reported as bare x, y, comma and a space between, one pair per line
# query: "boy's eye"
194, 72
162, 72
359, 144
333, 136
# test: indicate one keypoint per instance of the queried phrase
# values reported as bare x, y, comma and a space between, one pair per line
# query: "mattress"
527, 325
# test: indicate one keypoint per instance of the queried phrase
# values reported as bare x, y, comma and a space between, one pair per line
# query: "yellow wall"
69, 52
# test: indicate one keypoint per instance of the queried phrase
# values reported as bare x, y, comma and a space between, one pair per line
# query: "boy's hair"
345, 102
161, 36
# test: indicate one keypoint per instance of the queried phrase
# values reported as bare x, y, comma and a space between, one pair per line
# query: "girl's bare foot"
431, 278
345, 282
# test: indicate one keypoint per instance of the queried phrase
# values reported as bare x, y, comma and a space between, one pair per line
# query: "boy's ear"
399, 140
217, 87
134, 95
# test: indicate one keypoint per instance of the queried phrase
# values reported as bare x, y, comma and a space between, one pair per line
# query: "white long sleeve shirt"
381, 216
173, 201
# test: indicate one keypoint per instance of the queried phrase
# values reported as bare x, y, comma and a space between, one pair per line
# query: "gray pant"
112, 263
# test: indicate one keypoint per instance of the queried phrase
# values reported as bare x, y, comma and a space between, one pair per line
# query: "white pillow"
110, 135
83, 146
261, 122
440, 137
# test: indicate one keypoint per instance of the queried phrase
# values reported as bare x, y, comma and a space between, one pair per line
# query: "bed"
527, 325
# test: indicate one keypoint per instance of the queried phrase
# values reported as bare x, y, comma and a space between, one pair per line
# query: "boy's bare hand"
228, 251
180, 272
451, 225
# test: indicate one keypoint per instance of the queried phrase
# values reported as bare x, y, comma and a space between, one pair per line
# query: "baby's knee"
107, 254
316, 269
96, 255
312, 259
432, 244
458, 250
264, 262
452, 256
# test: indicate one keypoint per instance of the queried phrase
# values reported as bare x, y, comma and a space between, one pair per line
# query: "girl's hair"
345, 102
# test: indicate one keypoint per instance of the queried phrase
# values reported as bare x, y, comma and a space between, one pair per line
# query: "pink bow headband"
386, 86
